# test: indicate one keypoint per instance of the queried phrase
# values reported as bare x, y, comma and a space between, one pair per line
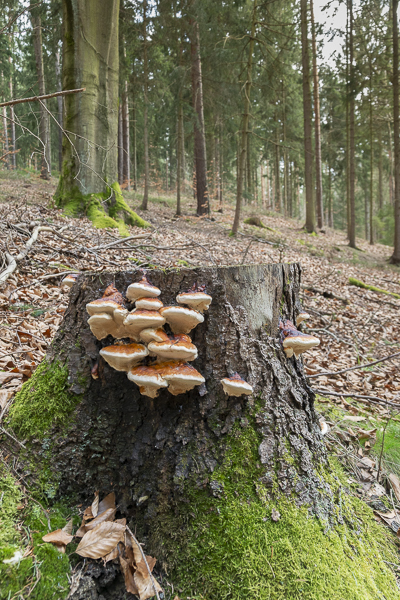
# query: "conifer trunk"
395, 258
126, 139
352, 228
60, 108
317, 126
145, 200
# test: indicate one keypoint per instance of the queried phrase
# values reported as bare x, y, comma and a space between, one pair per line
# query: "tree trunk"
380, 170
60, 109
390, 153
120, 146
277, 195
395, 258
44, 123
317, 126
308, 153
262, 181
5, 136
371, 165
134, 149
12, 116
352, 231
158, 454
145, 200
285, 158
179, 157
200, 156
126, 139
347, 122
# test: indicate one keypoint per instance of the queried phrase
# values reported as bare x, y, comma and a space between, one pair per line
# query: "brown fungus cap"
111, 300
149, 380
181, 319
69, 280
196, 299
152, 334
142, 289
236, 386
176, 347
180, 376
294, 341
101, 325
149, 303
124, 357
138, 319
302, 316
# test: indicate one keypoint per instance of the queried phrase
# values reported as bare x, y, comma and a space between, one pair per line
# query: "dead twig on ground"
354, 368
14, 260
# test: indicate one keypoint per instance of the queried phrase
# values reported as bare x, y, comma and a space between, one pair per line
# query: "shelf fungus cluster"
295, 342
165, 355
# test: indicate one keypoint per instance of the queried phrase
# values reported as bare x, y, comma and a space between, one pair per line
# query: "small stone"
275, 515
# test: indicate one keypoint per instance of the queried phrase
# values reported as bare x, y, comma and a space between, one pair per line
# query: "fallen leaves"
109, 539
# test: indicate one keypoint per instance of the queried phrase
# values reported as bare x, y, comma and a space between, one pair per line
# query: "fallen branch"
14, 260
355, 368
361, 397
145, 562
371, 288
325, 294
39, 98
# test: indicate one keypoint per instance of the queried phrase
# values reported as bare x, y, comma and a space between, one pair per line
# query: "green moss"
227, 545
372, 288
10, 494
43, 401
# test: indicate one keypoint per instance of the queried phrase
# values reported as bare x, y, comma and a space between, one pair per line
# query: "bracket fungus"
148, 379
152, 334
69, 280
140, 319
110, 300
195, 298
180, 376
302, 316
149, 303
176, 347
294, 341
236, 386
142, 289
181, 319
124, 357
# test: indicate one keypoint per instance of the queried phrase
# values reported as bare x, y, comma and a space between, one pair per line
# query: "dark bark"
145, 200
371, 163
308, 153
60, 108
277, 195
152, 448
200, 156
120, 146
395, 258
126, 159
317, 126
352, 183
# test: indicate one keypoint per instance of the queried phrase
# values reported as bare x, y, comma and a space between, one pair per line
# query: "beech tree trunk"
60, 108
44, 122
149, 451
200, 157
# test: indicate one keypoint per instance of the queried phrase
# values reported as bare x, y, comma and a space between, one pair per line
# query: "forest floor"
356, 326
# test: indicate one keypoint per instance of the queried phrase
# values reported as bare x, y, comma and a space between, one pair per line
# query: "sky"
335, 18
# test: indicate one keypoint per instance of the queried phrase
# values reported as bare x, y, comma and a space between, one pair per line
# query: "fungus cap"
195, 299
149, 303
142, 289
236, 386
180, 376
149, 380
323, 426
181, 319
139, 319
69, 280
302, 316
177, 347
101, 325
110, 300
152, 334
297, 342
123, 357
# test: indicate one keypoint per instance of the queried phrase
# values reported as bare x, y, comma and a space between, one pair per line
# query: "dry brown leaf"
107, 502
142, 577
68, 527
59, 536
4, 398
363, 434
112, 555
99, 542
354, 419
395, 482
5, 377
95, 504
128, 570
88, 513
120, 521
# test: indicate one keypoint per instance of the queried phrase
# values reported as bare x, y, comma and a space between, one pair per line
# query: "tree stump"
174, 461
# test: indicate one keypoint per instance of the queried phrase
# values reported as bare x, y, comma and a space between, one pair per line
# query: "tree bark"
12, 115
90, 59
44, 123
395, 258
120, 146
179, 157
152, 452
352, 229
145, 200
371, 164
277, 195
60, 108
126, 139
308, 153
380, 170
200, 156
317, 126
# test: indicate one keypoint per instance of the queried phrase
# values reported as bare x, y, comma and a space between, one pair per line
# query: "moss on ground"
44, 573
372, 288
43, 401
119, 214
228, 546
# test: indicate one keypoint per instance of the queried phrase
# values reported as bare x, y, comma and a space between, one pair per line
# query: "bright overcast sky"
335, 18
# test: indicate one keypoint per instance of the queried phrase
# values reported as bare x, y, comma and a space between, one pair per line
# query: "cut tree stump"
152, 452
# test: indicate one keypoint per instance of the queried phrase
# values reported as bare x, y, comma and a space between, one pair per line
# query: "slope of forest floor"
355, 325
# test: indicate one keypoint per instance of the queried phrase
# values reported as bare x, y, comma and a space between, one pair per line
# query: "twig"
145, 561
353, 368
120, 240
362, 398
13, 260
325, 294
12, 437
39, 98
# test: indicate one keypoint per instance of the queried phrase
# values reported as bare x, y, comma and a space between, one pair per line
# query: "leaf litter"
109, 539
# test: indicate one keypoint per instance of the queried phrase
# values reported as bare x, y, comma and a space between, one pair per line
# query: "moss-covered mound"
118, 214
